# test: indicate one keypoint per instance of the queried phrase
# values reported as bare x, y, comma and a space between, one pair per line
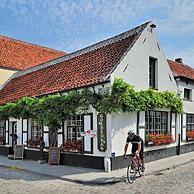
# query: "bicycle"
134, 168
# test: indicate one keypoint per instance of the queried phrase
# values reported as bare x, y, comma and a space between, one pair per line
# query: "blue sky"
69, 25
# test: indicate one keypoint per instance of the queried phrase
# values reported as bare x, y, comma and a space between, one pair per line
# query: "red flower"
158, 139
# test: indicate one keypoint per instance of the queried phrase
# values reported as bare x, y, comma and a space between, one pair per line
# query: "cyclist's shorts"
135, 148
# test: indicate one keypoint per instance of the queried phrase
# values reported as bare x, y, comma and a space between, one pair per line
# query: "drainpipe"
178, 126
179, 144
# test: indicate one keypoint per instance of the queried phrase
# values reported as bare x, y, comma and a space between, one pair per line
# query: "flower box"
190, 134
72, 146
33, 143
159, 139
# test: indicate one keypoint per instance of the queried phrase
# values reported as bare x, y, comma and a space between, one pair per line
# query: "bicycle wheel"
131, 174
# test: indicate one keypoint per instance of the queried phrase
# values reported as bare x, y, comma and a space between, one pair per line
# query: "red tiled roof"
86, 67
181, 70
21, 55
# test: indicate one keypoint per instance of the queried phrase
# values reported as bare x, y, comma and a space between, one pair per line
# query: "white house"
184, 76
135, 56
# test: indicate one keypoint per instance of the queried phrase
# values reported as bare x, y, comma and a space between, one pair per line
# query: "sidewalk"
92, 176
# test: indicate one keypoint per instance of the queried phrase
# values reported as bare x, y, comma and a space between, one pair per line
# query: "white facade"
134, 67
188, 104
121, 123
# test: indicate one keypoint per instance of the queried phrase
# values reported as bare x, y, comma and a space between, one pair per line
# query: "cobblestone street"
178, 180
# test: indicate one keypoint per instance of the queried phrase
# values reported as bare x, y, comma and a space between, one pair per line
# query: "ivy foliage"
53, 109
123, 98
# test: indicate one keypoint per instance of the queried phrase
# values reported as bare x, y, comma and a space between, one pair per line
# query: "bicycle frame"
135, 162
134, 168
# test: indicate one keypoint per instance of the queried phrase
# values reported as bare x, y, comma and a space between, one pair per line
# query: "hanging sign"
102, 142
90, 133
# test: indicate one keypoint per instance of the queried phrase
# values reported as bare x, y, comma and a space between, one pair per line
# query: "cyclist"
137, 146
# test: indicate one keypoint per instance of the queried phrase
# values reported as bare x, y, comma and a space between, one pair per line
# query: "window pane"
156, 122
36, 131
152, 72
74, 128
187, 93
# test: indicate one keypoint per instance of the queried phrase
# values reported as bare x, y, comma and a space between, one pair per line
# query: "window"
152, 73
190, 126
74, 128
156, 122
2, 132
36, 131
187, 94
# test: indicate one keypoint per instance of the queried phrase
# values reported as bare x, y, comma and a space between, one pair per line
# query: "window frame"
75, 126
153, 73
3, 128
38, 128
160, 122
189, 93
190, 125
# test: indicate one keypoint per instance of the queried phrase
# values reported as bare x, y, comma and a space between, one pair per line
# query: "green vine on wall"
123, 98
52, 110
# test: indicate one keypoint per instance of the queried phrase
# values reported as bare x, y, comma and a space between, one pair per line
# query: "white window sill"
158, 147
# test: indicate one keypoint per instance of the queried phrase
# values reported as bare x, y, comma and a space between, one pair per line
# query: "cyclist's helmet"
131, 134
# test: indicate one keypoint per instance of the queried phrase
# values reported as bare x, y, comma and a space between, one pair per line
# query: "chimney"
179, 60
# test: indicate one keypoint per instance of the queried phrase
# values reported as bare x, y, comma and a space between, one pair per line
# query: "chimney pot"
179, 60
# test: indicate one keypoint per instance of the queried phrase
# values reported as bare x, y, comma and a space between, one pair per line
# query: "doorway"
14, 132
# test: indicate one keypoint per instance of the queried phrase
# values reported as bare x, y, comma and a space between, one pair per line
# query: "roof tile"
86, 67
21, 55
181, 70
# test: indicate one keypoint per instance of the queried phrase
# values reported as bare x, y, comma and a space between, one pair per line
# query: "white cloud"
85, 17
176, 16
179, 17
187, 55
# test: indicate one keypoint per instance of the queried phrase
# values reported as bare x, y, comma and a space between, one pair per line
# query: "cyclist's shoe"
142, 169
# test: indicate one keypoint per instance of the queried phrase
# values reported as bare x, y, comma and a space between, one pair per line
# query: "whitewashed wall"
7, 131
187, 105
183, 127
120, 125
87, 139
25, 131
19, 131
134, 67
141, 125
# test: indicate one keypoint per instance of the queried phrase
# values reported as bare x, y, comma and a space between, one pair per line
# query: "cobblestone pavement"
179, 180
